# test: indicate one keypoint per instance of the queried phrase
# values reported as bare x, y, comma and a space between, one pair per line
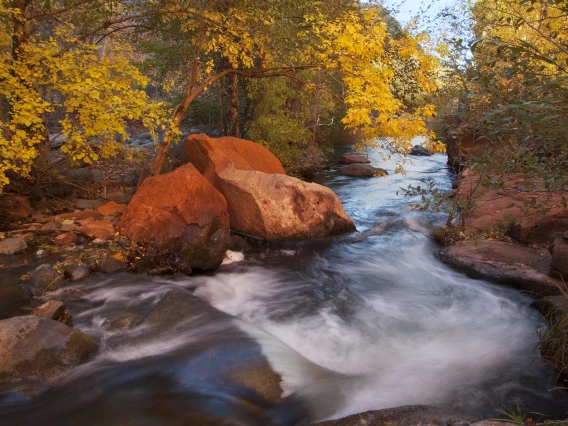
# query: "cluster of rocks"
230, 183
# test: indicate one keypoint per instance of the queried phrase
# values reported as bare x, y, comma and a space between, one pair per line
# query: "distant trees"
84, 66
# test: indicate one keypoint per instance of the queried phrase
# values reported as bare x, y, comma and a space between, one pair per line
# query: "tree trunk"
233, 127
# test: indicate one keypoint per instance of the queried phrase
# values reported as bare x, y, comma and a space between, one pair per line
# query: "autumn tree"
47, 64
282, 40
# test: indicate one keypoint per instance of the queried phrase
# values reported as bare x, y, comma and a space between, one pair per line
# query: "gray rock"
45, 278
89, 204
124, 198
111, 265
96, 173
130, 180
39, 349
81, 176
55, 310
420, 150
144, 135
362, 170
56, 141
76, 272
12, 246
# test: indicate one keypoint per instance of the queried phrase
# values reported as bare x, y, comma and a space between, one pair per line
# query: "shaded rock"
362, 170
559, 253
16, 205
59, 189
181, 213
405, 416
82, 176
89, 204
98, 229
111, 208
353, 159
540, 230
92, 264
461, 144
131, 180
55, 310
45, 278
262, 201
12, 245
111, 265
420, 150
40, 349
237, 243
522, 267
76, 272
66, 238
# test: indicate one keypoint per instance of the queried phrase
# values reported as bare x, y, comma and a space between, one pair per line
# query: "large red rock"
261, 199
503, 207
180, 212
212, 155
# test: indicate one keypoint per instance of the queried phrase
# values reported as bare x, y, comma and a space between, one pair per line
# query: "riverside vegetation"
126, 129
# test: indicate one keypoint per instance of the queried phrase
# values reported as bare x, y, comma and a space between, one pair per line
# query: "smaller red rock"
111, 208
353, 159
98, 229
66, 238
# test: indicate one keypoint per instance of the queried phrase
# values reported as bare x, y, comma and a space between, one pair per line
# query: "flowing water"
358, 322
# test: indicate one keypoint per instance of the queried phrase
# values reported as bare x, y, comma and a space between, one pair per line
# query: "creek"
358, 322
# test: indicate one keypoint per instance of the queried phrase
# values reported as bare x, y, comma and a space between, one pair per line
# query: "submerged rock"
262, 200
420, 150
40, 349
182, 213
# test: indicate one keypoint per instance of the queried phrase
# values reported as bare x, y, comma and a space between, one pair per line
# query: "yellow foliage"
98, 90
354, 46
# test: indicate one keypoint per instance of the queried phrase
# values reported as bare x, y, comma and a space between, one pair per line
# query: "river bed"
359, 322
